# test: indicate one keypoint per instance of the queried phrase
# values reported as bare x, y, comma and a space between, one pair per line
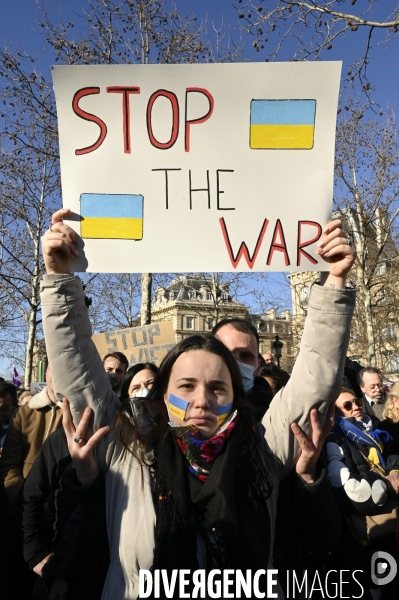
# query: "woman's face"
142, 379
203, 380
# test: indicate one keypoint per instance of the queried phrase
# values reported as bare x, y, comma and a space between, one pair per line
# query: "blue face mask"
247, 375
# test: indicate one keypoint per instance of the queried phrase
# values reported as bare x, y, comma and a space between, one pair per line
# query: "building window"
381, 269
270, 328
392, 363
191, 294
225, 296
304, 295
209, 296
210, 324
171, 295
389, 332
189, 322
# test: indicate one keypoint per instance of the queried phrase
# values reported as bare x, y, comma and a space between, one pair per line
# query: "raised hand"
336, 248
312, 444
59, 244
80, 449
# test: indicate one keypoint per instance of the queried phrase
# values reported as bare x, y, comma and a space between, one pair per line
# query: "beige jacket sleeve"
76, 367
316, 379
12, 459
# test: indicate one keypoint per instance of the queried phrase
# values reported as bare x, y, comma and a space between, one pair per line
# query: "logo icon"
383, 568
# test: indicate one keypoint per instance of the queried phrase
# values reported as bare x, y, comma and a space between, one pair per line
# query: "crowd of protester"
218, 459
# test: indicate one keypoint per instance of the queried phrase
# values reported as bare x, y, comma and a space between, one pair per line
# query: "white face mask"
143, 393
247, 375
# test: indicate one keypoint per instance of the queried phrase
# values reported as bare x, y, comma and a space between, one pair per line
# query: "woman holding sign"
207, 499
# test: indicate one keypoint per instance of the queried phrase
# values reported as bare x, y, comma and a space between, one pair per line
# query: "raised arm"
78, 373
317, 375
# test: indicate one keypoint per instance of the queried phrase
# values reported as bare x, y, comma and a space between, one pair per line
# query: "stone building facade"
195, 303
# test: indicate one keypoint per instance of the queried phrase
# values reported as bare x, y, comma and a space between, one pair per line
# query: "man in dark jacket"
372, 386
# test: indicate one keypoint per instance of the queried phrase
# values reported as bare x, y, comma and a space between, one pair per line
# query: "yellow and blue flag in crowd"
112, 216
282, 124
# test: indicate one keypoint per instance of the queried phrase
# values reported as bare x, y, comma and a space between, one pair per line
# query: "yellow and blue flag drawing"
282, 124
112, 216
177, 407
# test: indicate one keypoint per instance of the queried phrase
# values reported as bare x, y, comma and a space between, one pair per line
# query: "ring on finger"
50, 228
77, 440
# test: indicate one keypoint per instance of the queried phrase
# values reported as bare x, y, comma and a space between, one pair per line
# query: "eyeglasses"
349, 403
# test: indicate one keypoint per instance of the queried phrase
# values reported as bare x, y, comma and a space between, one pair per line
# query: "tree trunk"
146, 288
35, 300
369, 328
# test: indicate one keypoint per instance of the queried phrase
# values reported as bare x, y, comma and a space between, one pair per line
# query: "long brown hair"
128, 433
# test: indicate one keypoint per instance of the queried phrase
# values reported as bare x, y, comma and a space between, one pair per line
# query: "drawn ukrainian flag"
111, 216
282, 124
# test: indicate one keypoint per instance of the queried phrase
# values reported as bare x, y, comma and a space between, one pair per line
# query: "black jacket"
56, 519
43, 503
375, 411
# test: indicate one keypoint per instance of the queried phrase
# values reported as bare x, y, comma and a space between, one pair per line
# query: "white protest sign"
198, 167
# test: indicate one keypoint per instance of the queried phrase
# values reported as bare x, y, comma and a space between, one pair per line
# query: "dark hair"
6, 387
279, 377
130, 373
344, 390
119, 356
367, 370
127, 432
198, 342
239, 325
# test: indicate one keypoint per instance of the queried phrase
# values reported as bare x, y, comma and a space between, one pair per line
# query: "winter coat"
78, 374
56, 519
29, 428
359, 485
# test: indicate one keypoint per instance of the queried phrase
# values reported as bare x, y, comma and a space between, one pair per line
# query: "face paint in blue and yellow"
177, 407
200, 391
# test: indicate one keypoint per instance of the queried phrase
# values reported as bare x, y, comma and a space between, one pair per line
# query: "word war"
278, 244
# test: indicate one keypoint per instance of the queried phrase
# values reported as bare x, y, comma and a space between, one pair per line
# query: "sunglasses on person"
349, 403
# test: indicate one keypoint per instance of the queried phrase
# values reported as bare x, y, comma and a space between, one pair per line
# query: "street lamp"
277, 345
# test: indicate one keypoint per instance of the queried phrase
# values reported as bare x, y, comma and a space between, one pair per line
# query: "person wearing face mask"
135, 388
242, 339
